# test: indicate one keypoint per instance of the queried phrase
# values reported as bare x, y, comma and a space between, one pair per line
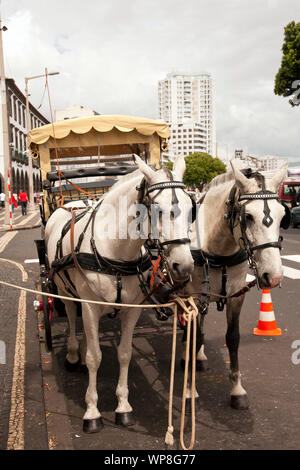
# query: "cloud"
111, 54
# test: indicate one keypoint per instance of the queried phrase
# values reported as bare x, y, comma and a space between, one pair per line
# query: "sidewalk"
19, 221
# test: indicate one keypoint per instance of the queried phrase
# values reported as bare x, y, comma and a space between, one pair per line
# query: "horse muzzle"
182, 271
268, 281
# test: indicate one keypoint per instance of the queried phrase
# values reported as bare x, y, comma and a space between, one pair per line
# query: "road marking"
24, 273
291, 272
295, 258
15, 439
7, 237
31, 260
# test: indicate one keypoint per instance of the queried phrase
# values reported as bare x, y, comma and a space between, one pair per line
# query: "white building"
187, 101
17, 136
74, 112
267, 164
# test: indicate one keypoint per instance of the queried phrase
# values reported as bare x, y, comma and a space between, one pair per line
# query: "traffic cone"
266, 322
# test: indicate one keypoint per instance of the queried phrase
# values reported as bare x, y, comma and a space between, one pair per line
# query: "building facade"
265, 163
188, 102
17, 136
73, 112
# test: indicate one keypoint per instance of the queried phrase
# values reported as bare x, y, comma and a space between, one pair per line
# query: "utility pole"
28, 126
6, 154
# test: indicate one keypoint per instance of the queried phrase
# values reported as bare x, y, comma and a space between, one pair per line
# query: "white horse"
236, 211
160, 188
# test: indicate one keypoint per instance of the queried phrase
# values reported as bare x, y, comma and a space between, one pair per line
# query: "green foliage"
287, 80
201, 168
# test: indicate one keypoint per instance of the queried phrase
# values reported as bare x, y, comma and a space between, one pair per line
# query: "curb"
21, 227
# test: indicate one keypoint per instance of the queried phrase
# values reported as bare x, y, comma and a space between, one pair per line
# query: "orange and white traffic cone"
266, 322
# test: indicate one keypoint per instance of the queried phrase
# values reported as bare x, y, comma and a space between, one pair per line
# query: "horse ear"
144, 168
278, 177
241, 180
179, 167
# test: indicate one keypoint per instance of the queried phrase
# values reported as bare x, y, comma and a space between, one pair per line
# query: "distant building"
73, 112
238, 154
265, 163
17, 135
186, 102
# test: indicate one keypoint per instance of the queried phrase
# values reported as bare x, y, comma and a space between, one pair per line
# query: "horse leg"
124, 413
92, 421
239, 398
72, 359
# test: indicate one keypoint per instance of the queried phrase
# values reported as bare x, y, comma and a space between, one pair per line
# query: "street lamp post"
28, 128
6, 154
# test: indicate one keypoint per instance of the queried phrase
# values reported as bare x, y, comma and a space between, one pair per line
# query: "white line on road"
295, 258
31, 260
291, 272
7, 237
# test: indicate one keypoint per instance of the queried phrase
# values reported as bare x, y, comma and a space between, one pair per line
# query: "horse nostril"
176, 267
266, 278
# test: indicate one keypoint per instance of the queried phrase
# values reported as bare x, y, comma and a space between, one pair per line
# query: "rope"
190, 313
88, 301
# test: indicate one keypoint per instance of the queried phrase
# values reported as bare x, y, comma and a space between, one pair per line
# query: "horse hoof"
239, 402
72, 367
125, 419
91, 426
188, 405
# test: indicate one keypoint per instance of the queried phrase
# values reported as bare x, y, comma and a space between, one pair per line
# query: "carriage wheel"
47, 309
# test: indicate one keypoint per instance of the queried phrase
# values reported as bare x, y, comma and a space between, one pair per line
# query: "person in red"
13, 203
23, 200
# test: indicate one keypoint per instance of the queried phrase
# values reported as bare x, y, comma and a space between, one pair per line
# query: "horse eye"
249, 218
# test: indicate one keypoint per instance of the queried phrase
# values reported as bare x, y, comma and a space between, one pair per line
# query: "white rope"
190, 313
74, 299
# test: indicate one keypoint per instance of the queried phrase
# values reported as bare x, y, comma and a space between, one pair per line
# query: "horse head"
260, 216
169, 207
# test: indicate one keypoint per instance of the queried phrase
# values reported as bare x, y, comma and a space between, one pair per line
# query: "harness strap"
268, 245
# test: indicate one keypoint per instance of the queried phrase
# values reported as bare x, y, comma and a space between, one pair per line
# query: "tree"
287, 80
201, 168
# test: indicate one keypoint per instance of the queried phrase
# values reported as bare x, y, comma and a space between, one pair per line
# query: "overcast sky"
111, 54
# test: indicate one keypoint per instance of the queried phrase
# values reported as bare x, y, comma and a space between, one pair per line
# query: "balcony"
20, 157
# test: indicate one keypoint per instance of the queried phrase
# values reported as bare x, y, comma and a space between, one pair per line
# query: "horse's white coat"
103, 286
216, 238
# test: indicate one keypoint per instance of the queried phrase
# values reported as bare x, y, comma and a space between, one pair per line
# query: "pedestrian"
13, 203
2, 199
23, 200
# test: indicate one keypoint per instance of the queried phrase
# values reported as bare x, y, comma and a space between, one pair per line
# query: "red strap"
155, 268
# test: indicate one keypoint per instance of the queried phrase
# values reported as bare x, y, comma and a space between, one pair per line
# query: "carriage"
80, 159
239, 222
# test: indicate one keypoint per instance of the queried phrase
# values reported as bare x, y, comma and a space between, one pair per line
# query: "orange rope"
60, 173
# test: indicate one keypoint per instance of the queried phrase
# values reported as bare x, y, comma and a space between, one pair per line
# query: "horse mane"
131, 176
125, 179
218, 180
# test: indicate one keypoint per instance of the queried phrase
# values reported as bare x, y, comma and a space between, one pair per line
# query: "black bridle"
144, 199
236, 209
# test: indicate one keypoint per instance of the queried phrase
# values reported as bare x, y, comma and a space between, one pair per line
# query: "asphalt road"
54, 398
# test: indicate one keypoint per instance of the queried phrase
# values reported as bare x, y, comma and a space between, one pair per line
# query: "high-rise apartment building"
186, 103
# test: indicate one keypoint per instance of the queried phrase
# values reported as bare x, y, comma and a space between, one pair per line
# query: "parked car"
295, 212
289, 192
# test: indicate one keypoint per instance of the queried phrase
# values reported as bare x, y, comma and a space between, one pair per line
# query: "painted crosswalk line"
295, 258
291, 273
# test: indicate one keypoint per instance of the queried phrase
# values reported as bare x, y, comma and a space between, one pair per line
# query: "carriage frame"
80, 159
